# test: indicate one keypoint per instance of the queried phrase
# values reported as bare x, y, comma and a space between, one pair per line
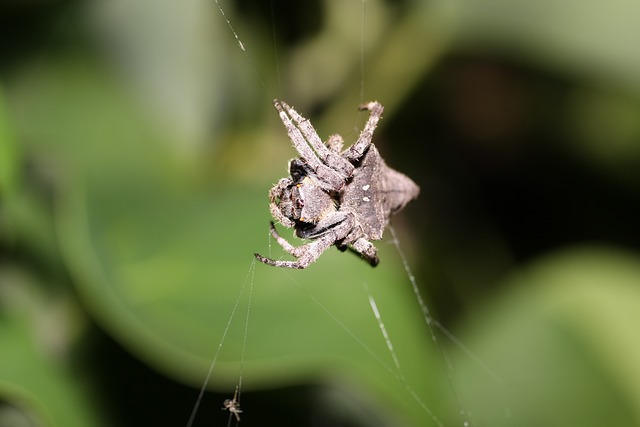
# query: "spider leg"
274, 194
288, 247
357, 150
327, 155
331, 168
367, 250
308, 254
326, 235
335, 143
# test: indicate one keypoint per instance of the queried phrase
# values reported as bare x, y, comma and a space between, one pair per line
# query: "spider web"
435, 329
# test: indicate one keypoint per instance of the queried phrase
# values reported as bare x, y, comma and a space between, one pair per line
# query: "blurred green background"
137, 146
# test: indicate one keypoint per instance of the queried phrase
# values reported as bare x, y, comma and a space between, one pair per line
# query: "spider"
334, 197
233, 405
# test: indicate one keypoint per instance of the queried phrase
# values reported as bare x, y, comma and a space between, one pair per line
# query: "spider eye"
297, 170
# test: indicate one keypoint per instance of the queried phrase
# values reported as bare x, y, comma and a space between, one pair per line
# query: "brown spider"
333, 197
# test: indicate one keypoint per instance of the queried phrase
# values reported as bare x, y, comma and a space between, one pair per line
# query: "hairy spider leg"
297, 139
307, 254
326, 155
367, 250
296, 251
330, 179
361, 246
335, 143
356, 151
274, 194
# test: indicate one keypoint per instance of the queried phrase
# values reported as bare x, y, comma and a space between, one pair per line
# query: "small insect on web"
332, 197
233, 405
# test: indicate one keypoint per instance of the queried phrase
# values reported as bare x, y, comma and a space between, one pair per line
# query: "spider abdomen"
362, 195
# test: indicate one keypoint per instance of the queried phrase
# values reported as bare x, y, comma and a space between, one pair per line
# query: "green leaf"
38, 383
162, 271
564, 345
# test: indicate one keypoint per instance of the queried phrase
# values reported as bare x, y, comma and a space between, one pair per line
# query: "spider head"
290, 203
304, 200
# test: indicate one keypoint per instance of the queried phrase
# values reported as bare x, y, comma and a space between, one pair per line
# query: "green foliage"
561, 341
136, 151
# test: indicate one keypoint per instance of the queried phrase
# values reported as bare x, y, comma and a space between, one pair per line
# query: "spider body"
333, 197
233, 405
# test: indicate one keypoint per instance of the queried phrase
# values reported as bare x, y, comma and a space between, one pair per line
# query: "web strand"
246, 330
396, 373
275, 48
394, 356
214, 360
466, 350
230, 26
426, 314
385, 334
241, 45
363, 27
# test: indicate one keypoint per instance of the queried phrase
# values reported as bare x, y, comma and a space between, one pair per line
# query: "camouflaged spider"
333, 197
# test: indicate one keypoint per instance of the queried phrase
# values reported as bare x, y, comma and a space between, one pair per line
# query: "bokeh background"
137, 146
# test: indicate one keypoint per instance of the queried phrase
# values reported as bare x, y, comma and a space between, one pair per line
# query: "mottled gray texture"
333, 197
